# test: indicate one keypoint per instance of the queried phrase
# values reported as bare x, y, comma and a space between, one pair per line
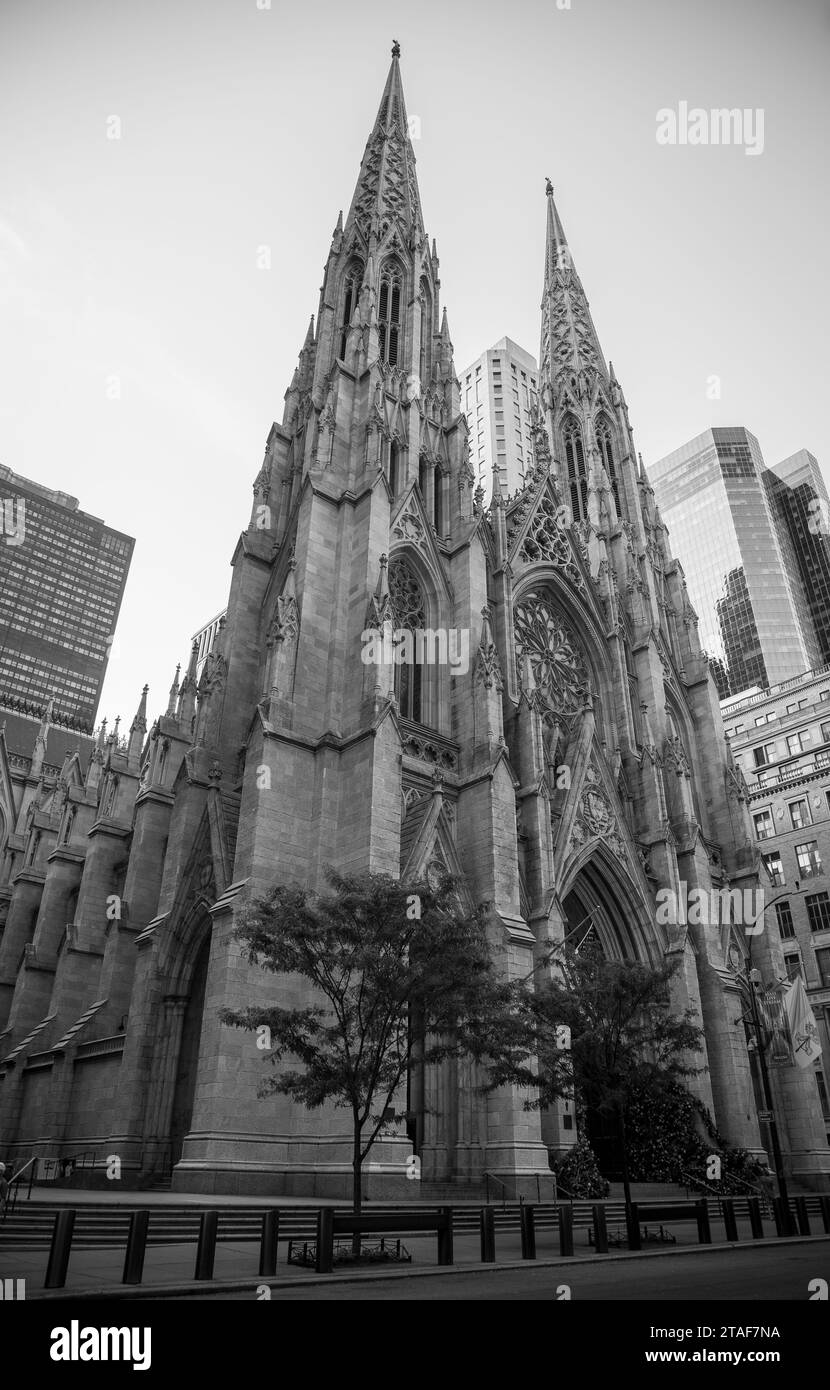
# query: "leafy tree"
624, 1033
392, 967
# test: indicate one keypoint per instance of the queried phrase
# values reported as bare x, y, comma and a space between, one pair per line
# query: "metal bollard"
269, 1241
566, 1230
729, 1221
600, 1229
632, 1226
445, 1245
136, 1247
488, 1236
802, 1216
782, 1217
527, 1226
704, 1230
756, 1223
206, 1249
60, 1249
325, 1240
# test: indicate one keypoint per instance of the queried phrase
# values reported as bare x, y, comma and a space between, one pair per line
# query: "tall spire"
386, 185
569, 339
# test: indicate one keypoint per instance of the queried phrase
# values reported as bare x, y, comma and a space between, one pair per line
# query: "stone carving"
595, 819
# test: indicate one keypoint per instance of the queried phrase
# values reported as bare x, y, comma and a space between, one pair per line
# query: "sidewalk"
179, 1283
171, 1267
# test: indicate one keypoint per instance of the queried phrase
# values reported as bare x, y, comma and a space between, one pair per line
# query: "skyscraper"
801, 509
498, 394
744, 583
62, 579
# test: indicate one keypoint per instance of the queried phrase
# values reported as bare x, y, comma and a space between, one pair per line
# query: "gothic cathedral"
577, 766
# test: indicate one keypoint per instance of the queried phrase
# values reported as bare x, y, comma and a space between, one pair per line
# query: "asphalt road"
767, 1273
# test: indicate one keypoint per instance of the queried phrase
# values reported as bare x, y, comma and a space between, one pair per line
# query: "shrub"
578, 1172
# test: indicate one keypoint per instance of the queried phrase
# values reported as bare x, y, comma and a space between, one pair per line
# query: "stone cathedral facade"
123, 878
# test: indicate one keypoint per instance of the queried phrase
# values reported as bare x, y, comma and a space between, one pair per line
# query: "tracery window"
409, 608
605, 441
575, 463
425, 363
389, 315
351, 294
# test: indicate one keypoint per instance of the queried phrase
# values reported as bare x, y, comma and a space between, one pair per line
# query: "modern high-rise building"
498, 392
62, 579
739, 561
801, 510
204, 640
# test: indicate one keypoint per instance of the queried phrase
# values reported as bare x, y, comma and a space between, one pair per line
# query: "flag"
803, 1029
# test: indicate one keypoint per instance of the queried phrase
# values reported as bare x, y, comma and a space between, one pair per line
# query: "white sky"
244, 126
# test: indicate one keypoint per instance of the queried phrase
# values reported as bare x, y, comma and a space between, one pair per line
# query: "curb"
111, 1293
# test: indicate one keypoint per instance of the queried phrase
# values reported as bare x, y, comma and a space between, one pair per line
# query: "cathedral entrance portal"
185, 1086
601, 917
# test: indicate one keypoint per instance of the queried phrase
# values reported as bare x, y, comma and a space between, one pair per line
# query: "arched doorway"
605, 914
185, 1086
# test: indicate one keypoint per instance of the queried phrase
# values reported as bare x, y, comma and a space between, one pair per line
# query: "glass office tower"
801, 509
744, 583
62, 578
498, 392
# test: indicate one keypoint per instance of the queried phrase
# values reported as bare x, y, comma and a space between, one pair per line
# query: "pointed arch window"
425, 363
605, 440
438, 503
575, 463
409, 609
394, 467
422, 478
389, 315
351, 294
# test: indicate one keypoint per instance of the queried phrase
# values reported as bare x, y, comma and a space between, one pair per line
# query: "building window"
822, 1087
740, 728
809, 863
824, 694
763, 755
606, 447
785, 921
796, 743
825, 733
818, 911
577, 478
410, 616
823, 962
764, 827
792, 965
351, 294
799, 813
774, 868
389, 315
394, 480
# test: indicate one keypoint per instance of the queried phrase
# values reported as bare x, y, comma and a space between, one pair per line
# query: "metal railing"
14, 1186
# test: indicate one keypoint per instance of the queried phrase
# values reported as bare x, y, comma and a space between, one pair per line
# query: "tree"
392, 967
625, 1034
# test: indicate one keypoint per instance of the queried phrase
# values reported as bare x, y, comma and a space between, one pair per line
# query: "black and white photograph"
414, 680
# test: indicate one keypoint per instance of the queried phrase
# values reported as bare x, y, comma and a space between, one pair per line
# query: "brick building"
780, 738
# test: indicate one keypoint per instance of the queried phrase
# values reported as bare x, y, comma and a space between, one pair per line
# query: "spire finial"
396, 49
548, 188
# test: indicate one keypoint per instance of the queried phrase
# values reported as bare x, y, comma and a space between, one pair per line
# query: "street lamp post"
753, 979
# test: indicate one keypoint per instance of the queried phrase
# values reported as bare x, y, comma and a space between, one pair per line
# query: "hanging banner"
802, 1024
776, 1029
